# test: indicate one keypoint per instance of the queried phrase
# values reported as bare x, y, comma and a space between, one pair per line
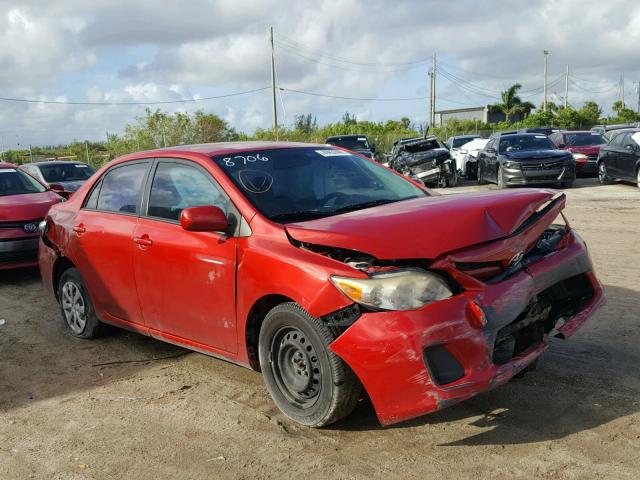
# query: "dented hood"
424, 227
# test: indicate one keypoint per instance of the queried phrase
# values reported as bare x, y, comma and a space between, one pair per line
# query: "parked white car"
466, 157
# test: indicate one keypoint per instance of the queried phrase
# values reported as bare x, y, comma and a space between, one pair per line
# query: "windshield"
458, 142
294, 184
352, 143
518, 143
15, 182
62, 172
583, 139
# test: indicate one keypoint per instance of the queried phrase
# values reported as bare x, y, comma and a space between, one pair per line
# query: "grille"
593, 157
423, 167
18, 225
543, 165
15, 257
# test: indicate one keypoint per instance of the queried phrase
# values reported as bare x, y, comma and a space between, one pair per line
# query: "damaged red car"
324, 270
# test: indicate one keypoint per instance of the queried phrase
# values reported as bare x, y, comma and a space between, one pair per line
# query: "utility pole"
2, 141
273, 84
566, 88
637, 90
86, 150
544, 102
30, 154
432, 119
622, 89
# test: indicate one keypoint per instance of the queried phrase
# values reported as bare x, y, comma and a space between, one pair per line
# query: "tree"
349, 119
512, 104
623, 114
305, 123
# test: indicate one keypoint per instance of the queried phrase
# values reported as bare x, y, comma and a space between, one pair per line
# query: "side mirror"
629, 147
56, 187
203, 219
562, 145
490, 150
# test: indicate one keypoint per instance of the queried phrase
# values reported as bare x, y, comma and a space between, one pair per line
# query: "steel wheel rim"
295, 367
74, 307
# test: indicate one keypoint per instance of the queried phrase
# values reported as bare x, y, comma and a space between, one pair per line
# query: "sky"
108, 51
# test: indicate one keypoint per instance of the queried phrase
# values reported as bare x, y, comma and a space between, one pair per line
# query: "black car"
620, 158
64, 177
525, 159
541, 130
356, 143
427, 159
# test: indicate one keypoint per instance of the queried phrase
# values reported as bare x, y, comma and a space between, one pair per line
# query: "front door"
186, 280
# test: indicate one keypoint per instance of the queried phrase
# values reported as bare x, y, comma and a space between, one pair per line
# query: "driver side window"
177, 186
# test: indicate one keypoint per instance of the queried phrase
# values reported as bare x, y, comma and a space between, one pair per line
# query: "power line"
107, 104
297, 45
315, 94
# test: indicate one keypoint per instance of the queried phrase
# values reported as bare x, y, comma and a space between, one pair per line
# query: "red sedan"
322, 269
24, 202
585, 146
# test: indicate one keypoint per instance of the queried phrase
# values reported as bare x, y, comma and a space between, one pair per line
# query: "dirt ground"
130, 407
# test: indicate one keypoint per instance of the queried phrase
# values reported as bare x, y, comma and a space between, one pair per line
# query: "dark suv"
620, 158
356, 143
525, 159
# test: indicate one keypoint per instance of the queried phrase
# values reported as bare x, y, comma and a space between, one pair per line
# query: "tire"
500, 178
77, 309
638, 177
308, 382
603, 178
452, 179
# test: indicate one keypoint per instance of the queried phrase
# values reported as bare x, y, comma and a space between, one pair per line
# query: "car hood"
590, 150
30, 206
425, 227
71, 186
535, 154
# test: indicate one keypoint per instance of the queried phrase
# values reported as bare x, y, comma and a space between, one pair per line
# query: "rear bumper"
388, 350
18, 253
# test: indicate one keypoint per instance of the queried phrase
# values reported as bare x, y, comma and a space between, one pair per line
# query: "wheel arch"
61, 265
256, 315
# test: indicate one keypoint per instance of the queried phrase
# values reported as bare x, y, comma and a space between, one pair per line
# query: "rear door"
627, 157
102, 243
613, 152
186, 280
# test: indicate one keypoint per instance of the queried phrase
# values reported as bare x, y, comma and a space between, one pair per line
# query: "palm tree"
512, 104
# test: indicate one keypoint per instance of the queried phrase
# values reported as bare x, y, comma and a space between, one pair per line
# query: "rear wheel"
603, 177
638, 177
308, 382
77, 310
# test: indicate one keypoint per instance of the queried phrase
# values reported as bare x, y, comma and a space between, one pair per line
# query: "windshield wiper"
298, 215
360, 206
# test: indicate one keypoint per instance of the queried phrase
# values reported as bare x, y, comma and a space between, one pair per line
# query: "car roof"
618, 131
576, 131
7, 165
58, 162
345, 136
210, 149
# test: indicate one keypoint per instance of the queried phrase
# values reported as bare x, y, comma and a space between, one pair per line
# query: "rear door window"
121, 188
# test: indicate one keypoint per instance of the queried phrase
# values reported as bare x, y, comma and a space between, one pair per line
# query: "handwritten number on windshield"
244, 159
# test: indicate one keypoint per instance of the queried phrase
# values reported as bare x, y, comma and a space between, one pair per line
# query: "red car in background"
24, 202
585, 146
322, 269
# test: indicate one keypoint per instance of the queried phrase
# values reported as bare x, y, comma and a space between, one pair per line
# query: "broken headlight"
396, 290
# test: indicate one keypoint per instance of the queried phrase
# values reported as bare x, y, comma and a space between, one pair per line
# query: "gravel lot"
130, 407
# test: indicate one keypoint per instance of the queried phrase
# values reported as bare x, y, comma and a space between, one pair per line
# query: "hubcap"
73, 307
295, 366
602, 172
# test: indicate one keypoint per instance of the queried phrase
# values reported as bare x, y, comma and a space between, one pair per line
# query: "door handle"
79, 228
143, 241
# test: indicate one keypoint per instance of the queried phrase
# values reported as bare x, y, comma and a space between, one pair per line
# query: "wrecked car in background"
323, 270
426, 159
466, 157
356, 143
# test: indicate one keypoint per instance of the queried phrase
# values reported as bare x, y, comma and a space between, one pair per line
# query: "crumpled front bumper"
386, 350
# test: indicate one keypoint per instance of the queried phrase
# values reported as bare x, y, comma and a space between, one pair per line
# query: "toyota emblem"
30, 227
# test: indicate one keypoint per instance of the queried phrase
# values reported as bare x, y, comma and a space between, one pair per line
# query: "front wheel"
480, 175
603, 178
308, 382
452, 179
500, 175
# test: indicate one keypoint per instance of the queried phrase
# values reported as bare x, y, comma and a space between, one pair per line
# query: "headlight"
579, 156
397, 290
511, 165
